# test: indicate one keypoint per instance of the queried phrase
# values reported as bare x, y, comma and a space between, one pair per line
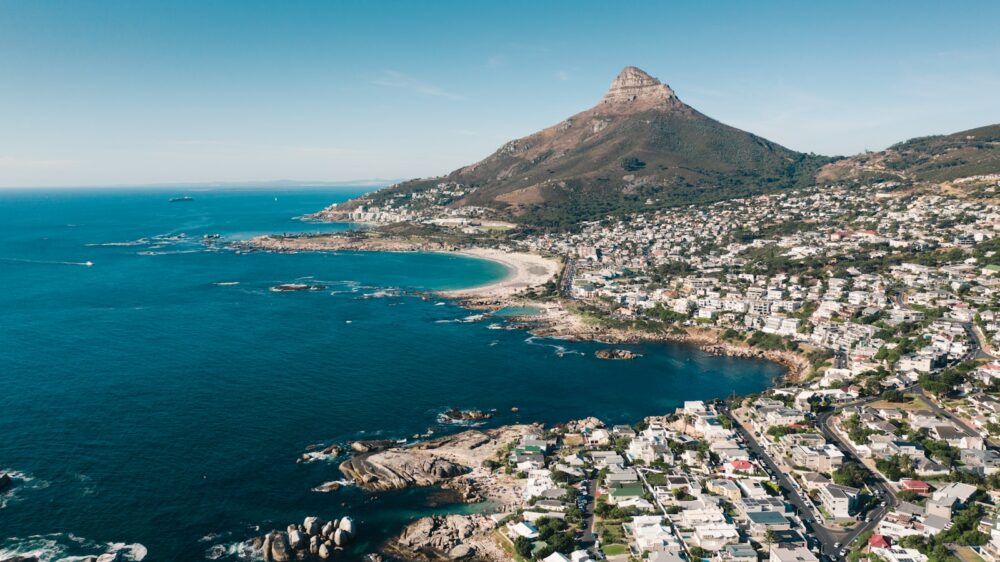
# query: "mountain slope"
640, 148
935, 158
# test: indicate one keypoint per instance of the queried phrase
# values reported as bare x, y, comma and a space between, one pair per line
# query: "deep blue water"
141, 401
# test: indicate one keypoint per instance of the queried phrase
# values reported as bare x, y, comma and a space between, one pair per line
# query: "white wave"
21, 482
134, 551
331, 485
226, 283
170, 253
59, 547
138, 242
238, 550
560, 350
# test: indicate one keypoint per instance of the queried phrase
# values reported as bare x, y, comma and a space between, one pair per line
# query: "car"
836, 545
842, 553
882, 504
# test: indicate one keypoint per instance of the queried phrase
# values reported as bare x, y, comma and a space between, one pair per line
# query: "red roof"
740, 464
916, 485
879, 541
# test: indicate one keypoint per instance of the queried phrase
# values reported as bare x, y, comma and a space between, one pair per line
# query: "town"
882, 450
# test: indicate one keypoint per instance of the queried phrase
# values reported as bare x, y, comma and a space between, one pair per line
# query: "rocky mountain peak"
635, 85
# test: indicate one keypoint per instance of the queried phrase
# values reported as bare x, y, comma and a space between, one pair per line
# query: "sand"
526, 271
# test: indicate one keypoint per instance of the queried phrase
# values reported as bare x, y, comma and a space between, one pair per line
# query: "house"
556, 557
725, 488
918, 486
650, 535
760, 522
526, 530
741, 552
784, 553
896, 554
840, 501
879, 541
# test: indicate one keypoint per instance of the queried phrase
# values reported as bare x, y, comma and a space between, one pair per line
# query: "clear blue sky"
132, 91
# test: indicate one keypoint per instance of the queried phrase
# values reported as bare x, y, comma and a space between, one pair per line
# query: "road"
827, 537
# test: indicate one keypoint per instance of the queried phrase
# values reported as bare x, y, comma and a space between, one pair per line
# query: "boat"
180, 199
88, 263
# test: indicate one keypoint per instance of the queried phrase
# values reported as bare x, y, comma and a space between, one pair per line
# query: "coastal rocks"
313, 539
395, 469
451, 537
615, 353
455, 415
327, 454
5, 481
371, 445
466, 488
586, 424
430, 462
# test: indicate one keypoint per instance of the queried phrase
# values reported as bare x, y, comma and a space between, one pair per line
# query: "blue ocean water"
161, 396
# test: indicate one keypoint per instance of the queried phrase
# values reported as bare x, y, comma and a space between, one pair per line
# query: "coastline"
525, 271
529, 271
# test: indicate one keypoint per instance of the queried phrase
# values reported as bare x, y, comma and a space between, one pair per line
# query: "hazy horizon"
139, 93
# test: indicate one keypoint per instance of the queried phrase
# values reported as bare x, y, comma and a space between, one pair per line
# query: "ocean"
155, 401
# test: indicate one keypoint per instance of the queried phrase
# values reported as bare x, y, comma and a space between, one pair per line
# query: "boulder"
328, 529
110, 557
461, 551
340, 537
296, 540
266, 547
314, 545
279, 548
371, 446
347, 525
312, 525
324, 551
5, 481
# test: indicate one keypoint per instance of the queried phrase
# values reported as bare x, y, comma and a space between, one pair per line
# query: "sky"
131, 92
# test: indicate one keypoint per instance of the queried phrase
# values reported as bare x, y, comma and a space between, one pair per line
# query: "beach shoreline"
527, 271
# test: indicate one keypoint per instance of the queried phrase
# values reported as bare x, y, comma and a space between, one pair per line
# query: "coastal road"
874, 481
804, 508
826, 536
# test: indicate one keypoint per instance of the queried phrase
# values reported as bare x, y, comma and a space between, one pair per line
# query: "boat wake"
47, 262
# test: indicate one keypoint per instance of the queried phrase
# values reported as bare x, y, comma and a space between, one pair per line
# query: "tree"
523, 547
850, 474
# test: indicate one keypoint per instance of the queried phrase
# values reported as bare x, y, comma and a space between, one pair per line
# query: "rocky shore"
430, 462
554, 320
451, 537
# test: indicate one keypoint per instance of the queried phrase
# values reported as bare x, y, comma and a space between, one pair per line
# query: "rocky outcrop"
615, 353
397, 469
314, 539
428, 463
327, 453
5, 481
455, 415
371, 445
452, 537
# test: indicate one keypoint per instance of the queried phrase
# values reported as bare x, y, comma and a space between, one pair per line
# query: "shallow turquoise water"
162, 395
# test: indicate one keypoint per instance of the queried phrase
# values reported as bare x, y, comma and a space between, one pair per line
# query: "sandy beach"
525, 271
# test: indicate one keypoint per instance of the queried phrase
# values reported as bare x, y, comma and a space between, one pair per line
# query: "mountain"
639, 148
935, 158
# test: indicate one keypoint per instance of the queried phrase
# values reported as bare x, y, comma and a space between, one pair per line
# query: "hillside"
639, 148
932, 159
